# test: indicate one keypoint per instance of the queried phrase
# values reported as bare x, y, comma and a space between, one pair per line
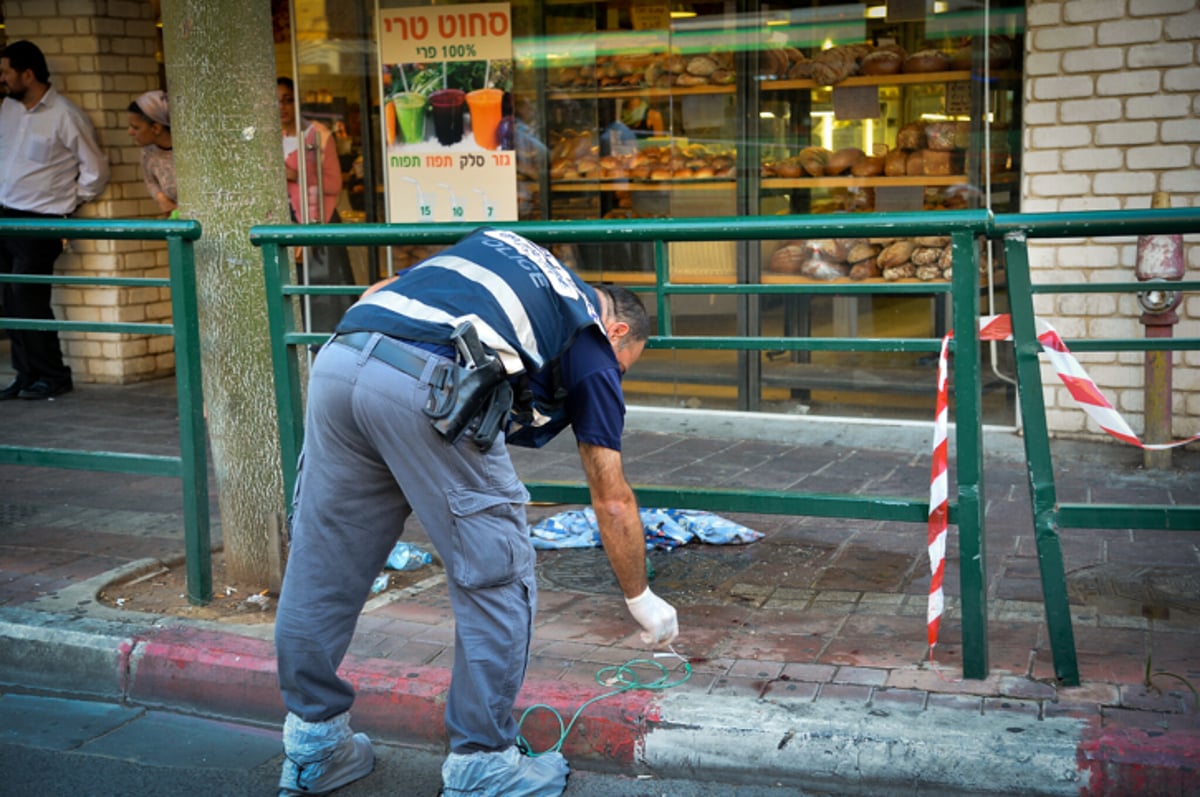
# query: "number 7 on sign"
489, 209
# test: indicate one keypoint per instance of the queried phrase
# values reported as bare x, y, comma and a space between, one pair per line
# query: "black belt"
13, 213
389, 351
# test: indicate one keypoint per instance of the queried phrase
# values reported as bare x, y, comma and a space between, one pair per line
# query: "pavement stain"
164, 591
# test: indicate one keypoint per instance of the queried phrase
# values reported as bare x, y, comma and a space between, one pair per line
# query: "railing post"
662, 276
1037, 459
968, 427
285, 365
192, 428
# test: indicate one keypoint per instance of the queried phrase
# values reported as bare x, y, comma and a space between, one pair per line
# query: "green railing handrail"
965, 228
1087, 223
191, 465
1048, 513
712, 228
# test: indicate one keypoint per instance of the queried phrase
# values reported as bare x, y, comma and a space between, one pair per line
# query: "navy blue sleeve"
595, 402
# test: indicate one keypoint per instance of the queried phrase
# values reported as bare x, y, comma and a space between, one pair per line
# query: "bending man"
379, 428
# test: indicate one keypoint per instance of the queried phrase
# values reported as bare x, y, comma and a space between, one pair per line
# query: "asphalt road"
55, 747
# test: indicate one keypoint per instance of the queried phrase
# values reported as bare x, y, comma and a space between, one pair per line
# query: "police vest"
526, 306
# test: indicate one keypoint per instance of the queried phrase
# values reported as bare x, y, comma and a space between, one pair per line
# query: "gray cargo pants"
370, 459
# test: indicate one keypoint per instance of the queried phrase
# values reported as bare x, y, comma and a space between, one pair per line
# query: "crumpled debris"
666, 529
406, 556
261, 600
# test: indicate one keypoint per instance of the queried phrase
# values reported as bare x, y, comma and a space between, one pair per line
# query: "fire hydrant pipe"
1159, 260
1158, 400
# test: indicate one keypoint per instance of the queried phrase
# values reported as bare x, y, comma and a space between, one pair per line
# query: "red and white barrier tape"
939, 506
1078, 384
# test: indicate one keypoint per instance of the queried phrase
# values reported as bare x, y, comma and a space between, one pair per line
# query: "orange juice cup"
485, 105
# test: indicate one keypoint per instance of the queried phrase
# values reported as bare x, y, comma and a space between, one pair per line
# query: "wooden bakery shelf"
619, 277
642, 185
633, 91
907, 78
796, 279
647, 278
863, 182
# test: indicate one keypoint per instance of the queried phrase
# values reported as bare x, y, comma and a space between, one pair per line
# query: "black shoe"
12, 391
42, 389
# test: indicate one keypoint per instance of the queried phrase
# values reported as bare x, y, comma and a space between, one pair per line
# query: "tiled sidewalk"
829, 612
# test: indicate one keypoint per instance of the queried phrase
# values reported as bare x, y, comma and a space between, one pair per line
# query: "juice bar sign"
447, 113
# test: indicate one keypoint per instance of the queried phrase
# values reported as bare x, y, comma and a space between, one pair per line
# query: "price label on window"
650, 15
898, 198
856, 102
958, 99
907, 10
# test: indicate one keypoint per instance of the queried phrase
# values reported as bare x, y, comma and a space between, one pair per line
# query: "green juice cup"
410, 111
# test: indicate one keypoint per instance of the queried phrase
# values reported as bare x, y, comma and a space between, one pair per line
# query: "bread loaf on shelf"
895, 163
896, 254
941, 135
868, 167
843, 160
911, 136
939, 163
882, 62
865, 269
813, 160
835, 65
915, 163
927, 61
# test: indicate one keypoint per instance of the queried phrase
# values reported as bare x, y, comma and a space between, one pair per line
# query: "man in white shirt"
50, 164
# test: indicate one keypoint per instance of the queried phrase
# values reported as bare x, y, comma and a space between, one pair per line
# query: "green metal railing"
191, 464
965, 228
1050, 515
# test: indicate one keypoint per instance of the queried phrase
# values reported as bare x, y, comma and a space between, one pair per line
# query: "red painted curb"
215, 673
611, 730
1122, 761
207, 672
396, 701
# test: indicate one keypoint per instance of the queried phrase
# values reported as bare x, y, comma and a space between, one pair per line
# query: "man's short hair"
627, 307
24, 55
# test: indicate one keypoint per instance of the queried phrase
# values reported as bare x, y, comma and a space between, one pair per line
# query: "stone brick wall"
102, 55
1112, 96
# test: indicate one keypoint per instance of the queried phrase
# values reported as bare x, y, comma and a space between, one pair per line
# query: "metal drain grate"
1142, 590
690, 574
12, 514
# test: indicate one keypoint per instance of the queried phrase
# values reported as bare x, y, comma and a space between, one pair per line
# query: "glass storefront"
636, 109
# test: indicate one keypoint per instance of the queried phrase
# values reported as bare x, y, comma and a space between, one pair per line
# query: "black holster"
472, 399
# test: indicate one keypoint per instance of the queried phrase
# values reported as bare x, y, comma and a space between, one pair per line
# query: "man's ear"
617, 330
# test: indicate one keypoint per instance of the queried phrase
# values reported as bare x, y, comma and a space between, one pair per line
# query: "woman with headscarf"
150, 128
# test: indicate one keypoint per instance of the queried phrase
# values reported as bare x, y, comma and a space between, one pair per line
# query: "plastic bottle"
406, 556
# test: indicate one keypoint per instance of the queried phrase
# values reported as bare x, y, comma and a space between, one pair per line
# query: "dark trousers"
35, 353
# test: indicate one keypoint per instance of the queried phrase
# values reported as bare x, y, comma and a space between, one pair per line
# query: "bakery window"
625, 110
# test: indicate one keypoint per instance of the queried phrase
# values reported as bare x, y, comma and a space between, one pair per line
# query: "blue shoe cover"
322, 756
504, 774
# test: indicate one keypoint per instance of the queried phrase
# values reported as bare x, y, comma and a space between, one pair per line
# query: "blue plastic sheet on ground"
666, 529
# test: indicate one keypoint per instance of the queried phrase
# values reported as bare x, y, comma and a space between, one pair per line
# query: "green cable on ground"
622, 674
